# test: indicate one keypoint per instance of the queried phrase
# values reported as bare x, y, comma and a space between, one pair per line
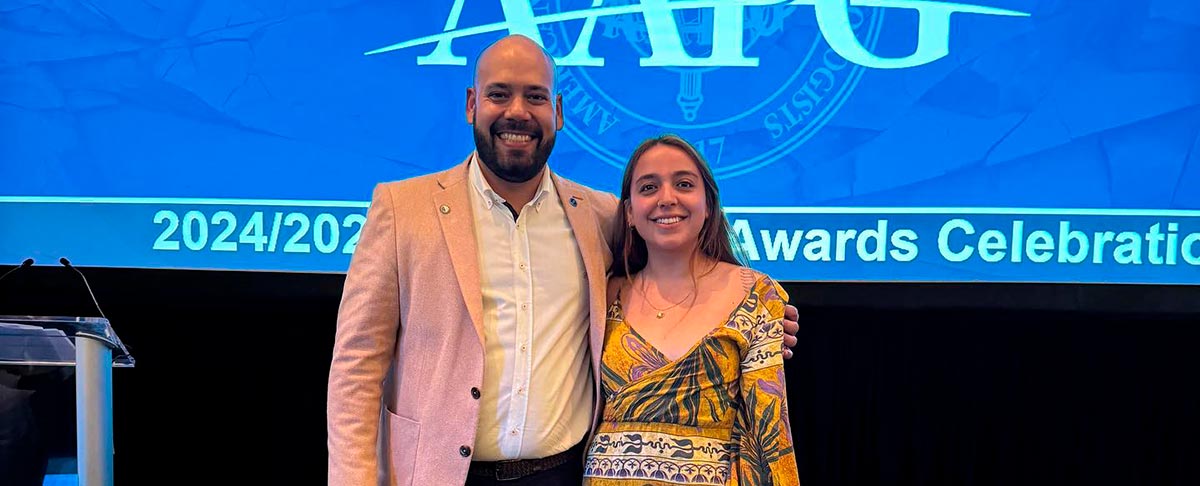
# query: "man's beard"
512, 168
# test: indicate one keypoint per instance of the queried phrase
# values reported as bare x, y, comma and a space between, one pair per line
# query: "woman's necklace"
662, 312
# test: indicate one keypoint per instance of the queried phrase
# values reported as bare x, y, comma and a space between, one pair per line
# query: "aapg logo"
747, 81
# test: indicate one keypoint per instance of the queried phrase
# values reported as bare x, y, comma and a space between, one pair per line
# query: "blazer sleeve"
367, 325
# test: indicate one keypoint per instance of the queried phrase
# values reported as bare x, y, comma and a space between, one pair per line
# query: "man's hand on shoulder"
790, 328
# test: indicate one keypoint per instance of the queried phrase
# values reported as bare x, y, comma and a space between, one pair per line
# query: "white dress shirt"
537, 385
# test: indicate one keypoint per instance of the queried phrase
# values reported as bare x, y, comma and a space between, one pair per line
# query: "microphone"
67, 263
25, 264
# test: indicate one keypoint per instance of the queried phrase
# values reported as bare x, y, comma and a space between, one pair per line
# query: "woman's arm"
762, 427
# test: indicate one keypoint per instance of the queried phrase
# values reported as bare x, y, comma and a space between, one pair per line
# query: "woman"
691, 370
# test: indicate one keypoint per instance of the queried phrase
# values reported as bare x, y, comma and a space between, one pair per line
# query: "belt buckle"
506, 473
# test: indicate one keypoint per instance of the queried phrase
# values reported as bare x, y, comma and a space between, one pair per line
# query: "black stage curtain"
892, 384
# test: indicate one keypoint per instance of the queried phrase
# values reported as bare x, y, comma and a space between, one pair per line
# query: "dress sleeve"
762, 429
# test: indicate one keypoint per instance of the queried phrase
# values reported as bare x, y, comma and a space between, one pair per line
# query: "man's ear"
558, 112
471, 106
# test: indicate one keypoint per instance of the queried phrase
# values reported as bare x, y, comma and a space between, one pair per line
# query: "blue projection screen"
859, 140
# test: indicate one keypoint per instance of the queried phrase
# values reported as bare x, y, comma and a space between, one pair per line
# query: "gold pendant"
660, 314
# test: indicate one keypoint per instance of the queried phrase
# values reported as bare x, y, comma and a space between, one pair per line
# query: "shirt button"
522, 348
513, 432
475, 393
464, 451
522, 266
524, 306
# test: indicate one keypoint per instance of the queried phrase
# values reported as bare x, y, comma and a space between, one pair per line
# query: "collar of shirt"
490, 198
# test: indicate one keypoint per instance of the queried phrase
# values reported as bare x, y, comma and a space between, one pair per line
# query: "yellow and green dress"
717, 415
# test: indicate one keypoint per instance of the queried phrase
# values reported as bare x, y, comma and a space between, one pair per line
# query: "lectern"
91, 346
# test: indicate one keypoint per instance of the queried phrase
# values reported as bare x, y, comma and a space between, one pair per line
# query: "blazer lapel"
453, 204
592, 246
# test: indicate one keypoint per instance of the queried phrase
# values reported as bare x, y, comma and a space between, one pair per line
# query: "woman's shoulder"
760, 284
751, 279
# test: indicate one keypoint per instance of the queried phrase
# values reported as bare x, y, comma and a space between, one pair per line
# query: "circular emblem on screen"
746, 85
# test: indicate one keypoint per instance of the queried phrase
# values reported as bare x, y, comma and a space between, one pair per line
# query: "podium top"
50, 340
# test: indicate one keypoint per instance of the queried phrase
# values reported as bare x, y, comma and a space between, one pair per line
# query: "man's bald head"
510, 49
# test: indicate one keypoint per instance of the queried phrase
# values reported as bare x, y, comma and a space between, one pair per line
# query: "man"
474, 305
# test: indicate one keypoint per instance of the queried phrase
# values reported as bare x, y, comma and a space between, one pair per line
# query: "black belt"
519, 468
